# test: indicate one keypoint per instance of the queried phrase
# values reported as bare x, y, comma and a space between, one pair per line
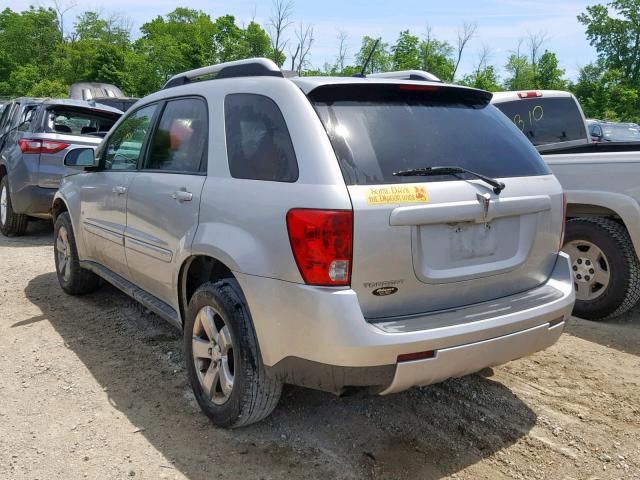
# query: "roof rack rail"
252, 67
407, 75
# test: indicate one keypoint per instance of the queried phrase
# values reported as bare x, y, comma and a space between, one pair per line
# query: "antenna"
366, 63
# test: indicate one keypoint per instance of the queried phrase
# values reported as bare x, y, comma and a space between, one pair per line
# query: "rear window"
546, 120
378, 131
79, 121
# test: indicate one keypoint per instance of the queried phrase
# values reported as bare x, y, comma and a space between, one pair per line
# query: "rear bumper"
299, 325
33, 200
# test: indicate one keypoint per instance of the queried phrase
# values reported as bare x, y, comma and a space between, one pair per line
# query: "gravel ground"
94, 387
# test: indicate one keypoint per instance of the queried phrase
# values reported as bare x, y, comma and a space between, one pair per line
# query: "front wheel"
606, 269
223, 359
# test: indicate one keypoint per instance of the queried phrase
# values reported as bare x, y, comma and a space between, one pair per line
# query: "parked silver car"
35, 135
325, 232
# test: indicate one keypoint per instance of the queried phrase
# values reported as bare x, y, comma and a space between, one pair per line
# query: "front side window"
124, 146
258, 143
179, 142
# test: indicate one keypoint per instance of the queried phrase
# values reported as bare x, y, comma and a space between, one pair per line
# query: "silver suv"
325, 232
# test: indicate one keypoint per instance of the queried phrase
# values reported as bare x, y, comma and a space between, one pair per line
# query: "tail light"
564, 219
41, 146
321, 241
531, 94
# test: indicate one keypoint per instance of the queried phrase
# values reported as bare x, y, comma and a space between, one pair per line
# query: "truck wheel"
73, 279
223, 359
11, 223
606, 270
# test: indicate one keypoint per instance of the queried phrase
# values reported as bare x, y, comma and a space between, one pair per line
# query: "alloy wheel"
3, 205
63, 253
212, 349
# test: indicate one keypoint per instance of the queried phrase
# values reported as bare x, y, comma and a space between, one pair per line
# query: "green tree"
29, 38
484, 78
181, 40
614, 31
436, 57
49, 88
548, 75
521, 73
604, 93
380, 60
406, 52
257, 41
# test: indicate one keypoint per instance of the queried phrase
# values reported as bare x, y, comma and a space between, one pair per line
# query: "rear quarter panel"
243, 222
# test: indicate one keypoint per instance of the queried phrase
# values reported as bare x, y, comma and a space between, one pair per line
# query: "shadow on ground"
423, 433
621, 333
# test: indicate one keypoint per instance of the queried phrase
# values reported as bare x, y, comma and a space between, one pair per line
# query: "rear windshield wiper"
432, 171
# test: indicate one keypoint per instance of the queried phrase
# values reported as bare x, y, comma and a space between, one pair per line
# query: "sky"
501, 23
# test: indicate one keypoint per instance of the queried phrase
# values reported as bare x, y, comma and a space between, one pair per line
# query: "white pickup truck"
602, 188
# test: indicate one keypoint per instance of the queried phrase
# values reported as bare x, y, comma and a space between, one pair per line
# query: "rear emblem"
384, 291
485, 201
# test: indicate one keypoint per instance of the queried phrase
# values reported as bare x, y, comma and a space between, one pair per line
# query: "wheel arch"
196, 270
59, 206
619, 207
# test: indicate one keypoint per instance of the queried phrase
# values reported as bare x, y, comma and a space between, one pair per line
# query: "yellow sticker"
397, 194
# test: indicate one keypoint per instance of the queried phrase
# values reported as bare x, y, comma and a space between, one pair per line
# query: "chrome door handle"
120, 189
182, 196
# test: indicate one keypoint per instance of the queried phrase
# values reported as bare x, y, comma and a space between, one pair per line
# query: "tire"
11, 223
618, 263
73, 279
251, 395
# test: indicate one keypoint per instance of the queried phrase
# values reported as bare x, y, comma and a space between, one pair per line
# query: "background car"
104, 93
35, 135
602, 131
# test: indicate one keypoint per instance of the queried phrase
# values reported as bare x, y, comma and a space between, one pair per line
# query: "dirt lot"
94, 387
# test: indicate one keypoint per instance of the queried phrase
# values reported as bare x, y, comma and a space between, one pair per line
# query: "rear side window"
385, 130
546, 120
78, 121
179, 142
258, 142
27, 117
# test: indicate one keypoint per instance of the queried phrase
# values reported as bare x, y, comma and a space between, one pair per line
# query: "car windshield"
375, 136
79, 121
546, 120
621, 133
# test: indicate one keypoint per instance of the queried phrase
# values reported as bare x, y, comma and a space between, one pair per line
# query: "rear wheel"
223, 359
11, 223
73, 279
606, 270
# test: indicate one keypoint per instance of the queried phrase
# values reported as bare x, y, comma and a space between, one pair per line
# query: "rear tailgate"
423, 244
51, 164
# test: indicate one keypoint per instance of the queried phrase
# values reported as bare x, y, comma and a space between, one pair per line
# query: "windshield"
546, 120
373, 138
621, 133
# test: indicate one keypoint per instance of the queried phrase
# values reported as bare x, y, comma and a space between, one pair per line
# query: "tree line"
40, 57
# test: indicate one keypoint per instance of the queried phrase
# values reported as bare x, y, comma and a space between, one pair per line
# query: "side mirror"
81, 159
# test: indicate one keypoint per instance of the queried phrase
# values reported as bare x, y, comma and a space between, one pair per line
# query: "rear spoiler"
431, 92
